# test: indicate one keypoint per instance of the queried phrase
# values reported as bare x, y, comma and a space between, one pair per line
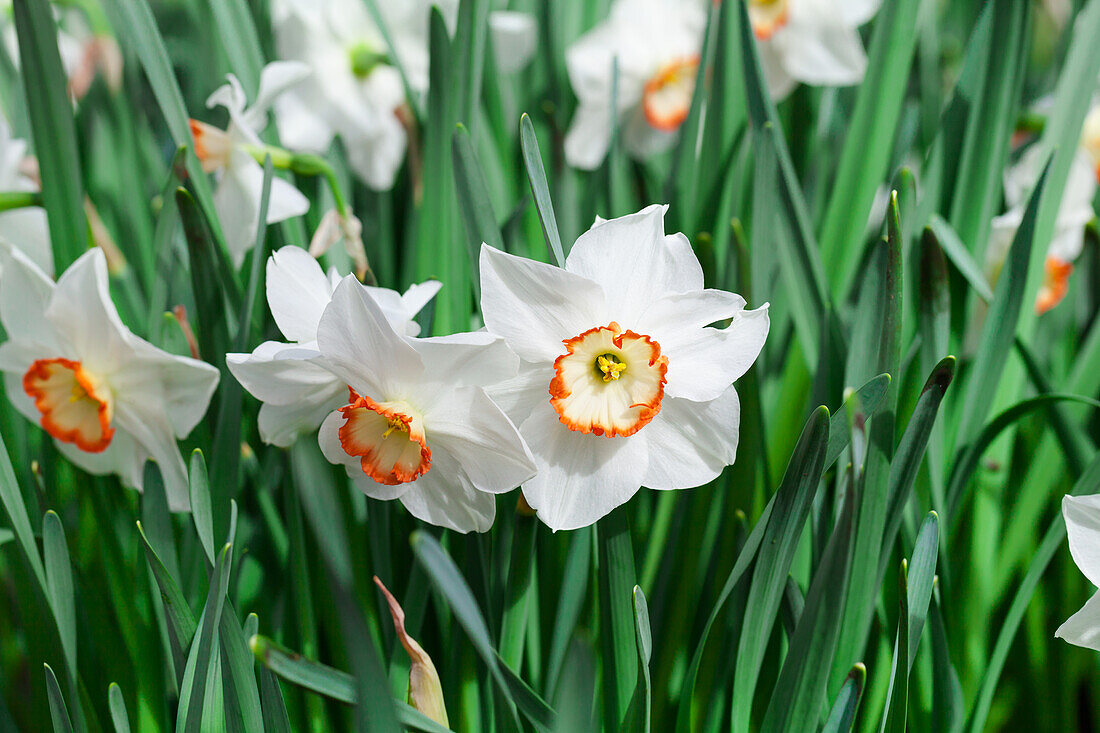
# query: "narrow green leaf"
316, 489
870, 397
199, 488
537, 710
513, 625
210, 323
616, 579
193, 689
175, 605
473, 201
59, 711
53, 129
645, 649
921, 575
897, 696
276, 718
6, 535
240, 42
12, 499
238, 670
869, 142
793, 500
536, 175
117, 707
571, 599
843, 713
449, 582
952, 246
59, 586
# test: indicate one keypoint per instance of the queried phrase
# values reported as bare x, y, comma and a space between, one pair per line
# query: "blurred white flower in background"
24, 228
1082, 516
110, 400
1074, 212
624, 382
417, 424
356, 89
815, 42
227, 153
656, 44
291, 379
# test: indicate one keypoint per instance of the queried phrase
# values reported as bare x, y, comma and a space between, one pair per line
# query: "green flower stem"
306, 164
19, 199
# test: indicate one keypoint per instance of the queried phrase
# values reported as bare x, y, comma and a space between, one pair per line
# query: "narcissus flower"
109, 399
1074, 212
417, 424
1082, 515
24, 228
291, 379
229, 154
815, 42
656, 44
624, 381
356, 89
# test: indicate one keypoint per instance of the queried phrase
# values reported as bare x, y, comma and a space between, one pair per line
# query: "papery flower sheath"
291, 378
815, 42
109, 399
656, 44
356, 90
24, 228
240, 176
416, 424
1074, 212
624, 382
1082, 515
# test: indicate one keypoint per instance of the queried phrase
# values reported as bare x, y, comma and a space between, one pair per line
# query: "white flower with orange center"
417, 424
1074, 212
626, 380
814, 42
291, 378
110, 400
1082, 517
230, 153
656, 45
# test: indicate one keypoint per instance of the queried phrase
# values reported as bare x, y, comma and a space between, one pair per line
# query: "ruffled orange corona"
75, 408
666, 97
609, 382
768, 16
388, 438
1055, 284
212, 146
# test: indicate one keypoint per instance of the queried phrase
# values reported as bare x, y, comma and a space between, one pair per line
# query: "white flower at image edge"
417, 424
1082, 515
656, 44
240, 177
623, 381
109, 399
24, 228
291, 379
815, 42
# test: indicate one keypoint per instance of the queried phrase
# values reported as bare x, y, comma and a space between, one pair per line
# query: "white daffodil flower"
417, 424
356, 89
109, 399
24, 228
656, 44
240, 176
1082, 515
815, 42
291, 379
1074, 212
623, 383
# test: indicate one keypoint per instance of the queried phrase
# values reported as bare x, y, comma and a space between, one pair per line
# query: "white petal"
779, 82
362, 348
28, 231
151, 429
515, 37
535, 306
286, 201
461, 360
444, 497
691, 442
634, 262
519, 395
1082, 515
589, 136
641, 139
282, 374
703, 362
328, 437
418, 295
822, 55
1083, 627
276, 78
301, 125
25, 293
580, 478
297, 292
125, 458
282, 425
854, 13
237, 202
470, 427
182, 387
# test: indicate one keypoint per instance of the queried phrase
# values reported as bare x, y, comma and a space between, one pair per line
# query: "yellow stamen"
610, 366
397, 425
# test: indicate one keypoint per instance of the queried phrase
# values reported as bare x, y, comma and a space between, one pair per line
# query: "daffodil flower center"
666, 97
1055, 284
387, 437
768, 16
364, 58
76, 407
609, 382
